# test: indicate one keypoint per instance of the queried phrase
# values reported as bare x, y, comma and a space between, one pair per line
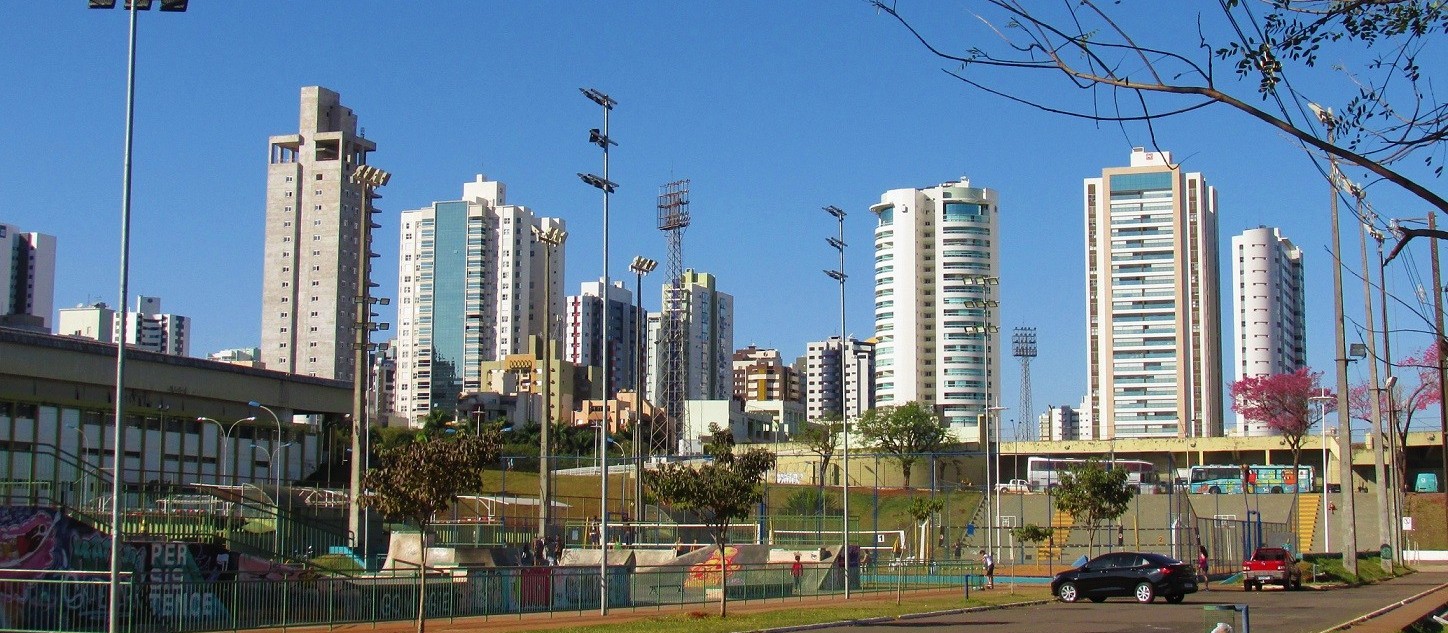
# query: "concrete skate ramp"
592, 557
404, 551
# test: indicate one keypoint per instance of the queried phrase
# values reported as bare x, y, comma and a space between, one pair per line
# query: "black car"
1121, 574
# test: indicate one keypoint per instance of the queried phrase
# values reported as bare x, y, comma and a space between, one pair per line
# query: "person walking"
1202, 566
989, 562
797, 571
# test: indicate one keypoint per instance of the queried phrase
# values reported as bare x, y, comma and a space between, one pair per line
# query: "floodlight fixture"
598, 97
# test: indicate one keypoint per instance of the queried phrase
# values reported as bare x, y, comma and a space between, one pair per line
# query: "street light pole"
1321, 400
551, 238
225, 439
640, 266
607, 186
117, 434
838, 243
271, 460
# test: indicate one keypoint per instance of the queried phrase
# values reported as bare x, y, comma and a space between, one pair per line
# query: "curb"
1382, 610
893, 618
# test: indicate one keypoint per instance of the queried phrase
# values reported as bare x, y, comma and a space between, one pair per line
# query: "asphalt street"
1271, 610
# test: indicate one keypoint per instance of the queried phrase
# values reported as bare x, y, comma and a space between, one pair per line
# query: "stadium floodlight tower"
602, 183
673, 218
1023, 346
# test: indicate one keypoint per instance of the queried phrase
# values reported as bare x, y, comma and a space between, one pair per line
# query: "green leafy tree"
905, 432
822, 437
418, 480
922, 509
721, 491
1093, 495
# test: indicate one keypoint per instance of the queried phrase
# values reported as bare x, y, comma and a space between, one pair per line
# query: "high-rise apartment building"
1063, 423
1154, 357
313, 228
583, 343
147, 327
27, 278
708, 341
936, 312
1270, 308
761, 375
472, 287
825, 393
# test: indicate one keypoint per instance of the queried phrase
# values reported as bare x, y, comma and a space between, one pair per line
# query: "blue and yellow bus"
1229, 479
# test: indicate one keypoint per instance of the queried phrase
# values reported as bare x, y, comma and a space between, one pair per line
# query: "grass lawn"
704, 618
1428, 521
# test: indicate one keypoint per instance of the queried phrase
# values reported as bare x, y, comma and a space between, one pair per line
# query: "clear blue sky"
773, 109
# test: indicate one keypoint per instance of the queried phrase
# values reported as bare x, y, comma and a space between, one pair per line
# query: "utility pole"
1376, 427
1438, 340
1344, 417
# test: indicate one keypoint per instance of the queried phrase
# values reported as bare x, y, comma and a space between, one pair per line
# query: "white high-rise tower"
1270, 306
936, 311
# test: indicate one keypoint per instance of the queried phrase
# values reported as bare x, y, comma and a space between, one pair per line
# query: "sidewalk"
1401, 617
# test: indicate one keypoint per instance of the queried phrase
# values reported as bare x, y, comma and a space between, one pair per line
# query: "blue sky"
772, 109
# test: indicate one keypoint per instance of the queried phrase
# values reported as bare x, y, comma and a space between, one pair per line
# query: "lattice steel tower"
673, 219
1023, 346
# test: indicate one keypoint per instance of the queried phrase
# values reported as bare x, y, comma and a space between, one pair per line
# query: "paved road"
1276, 611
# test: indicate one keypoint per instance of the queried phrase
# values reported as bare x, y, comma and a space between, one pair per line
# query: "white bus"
1045, 472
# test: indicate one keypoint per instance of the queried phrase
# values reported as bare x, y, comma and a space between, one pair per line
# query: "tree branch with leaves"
1108, 72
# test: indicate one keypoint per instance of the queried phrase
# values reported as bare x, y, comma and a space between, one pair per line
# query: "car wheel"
1176, 598
1067, 592
1097, 599
1145, 592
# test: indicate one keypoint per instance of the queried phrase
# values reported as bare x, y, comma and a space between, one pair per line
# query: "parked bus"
1045, 472
1228, 479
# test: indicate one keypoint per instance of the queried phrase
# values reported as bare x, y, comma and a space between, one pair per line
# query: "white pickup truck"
1014, 485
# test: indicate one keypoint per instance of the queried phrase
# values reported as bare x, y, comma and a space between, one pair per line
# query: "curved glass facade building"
936, 311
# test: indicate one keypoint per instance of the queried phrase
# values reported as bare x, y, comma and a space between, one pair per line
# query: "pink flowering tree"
1281, 401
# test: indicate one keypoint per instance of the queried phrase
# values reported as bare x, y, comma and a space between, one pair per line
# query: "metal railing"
75, 602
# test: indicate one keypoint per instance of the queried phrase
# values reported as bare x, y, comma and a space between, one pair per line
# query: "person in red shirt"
797, 571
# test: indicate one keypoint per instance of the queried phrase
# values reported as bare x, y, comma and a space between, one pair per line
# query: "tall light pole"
640, 266
369, 178
983, 424
607, 186
1375, 427
117, 436
551, 238
1321, 400
1344, 419
838, 243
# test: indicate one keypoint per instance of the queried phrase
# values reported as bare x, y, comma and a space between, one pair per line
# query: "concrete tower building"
27, 278
825, 393
1270, 307
936, 316
1154, 356
709, 341
583, 344
471, 288
313, 214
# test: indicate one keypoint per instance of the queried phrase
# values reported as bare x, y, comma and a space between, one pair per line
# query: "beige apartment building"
1154, 360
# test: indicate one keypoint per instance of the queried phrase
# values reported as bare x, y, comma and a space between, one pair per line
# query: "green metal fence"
76, 602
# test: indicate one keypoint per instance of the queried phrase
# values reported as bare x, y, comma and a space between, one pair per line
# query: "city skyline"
767, 133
